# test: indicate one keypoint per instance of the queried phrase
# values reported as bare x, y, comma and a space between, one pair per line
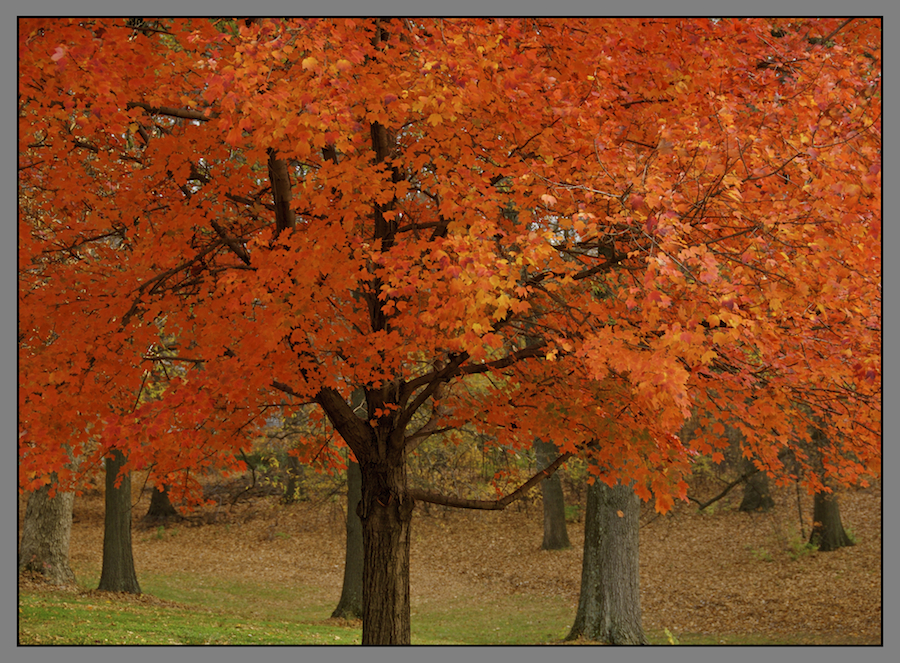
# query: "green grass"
512, 620
48, 618
211, 611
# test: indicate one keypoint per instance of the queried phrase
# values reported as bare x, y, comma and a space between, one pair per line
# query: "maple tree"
608, 223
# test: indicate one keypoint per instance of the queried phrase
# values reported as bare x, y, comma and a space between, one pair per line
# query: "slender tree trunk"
160, 509
609, 607
386, 513
757, 496
46, 531
117, 574
350, 605
293, 488
828, 532
556, 537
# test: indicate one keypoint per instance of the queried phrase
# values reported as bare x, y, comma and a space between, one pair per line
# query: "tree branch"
182, 113
429, 427
431, 381
249, 202
827, 39
354, 430
231, 241
535, 350
281, 193
490, 505
741, 479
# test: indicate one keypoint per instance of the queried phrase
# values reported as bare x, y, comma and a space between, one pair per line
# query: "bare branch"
429, 427
490, 505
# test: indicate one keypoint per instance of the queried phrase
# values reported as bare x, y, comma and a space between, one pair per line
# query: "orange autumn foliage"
580, 230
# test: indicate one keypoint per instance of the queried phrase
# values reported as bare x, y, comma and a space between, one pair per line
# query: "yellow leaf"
435, 119
734, 194
309, 63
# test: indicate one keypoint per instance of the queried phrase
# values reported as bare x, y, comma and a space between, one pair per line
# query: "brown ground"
724, 572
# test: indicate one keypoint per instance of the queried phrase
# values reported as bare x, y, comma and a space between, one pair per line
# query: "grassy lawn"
478, 581
187, 610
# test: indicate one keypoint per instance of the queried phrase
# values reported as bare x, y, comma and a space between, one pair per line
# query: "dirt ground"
718, 572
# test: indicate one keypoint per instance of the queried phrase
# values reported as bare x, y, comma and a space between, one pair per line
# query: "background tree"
828, 532
757, 496
556, 536
318, 206
161, 508
350, 604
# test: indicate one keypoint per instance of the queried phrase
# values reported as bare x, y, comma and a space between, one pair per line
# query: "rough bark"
556, 537
386, 514
609, 606
117, 573
350, 605
828, 532
46, 530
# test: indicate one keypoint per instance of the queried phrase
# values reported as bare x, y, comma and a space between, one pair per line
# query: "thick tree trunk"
386, 513
117, 574
828, 531
160, 509
556, 537
46, 530
609, 607
350, 605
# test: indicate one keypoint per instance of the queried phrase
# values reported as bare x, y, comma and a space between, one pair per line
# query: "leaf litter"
714, 572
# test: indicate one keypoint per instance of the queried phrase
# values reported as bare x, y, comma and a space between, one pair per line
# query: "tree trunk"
46, 530
609, 607
386, 513
350, 605
161, 509
556, 537
757, 496
293, 488
828, 531
117, 574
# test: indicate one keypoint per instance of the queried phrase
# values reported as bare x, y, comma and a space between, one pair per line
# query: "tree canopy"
577, 230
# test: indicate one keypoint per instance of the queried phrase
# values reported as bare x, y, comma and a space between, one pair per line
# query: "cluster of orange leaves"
686, 213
